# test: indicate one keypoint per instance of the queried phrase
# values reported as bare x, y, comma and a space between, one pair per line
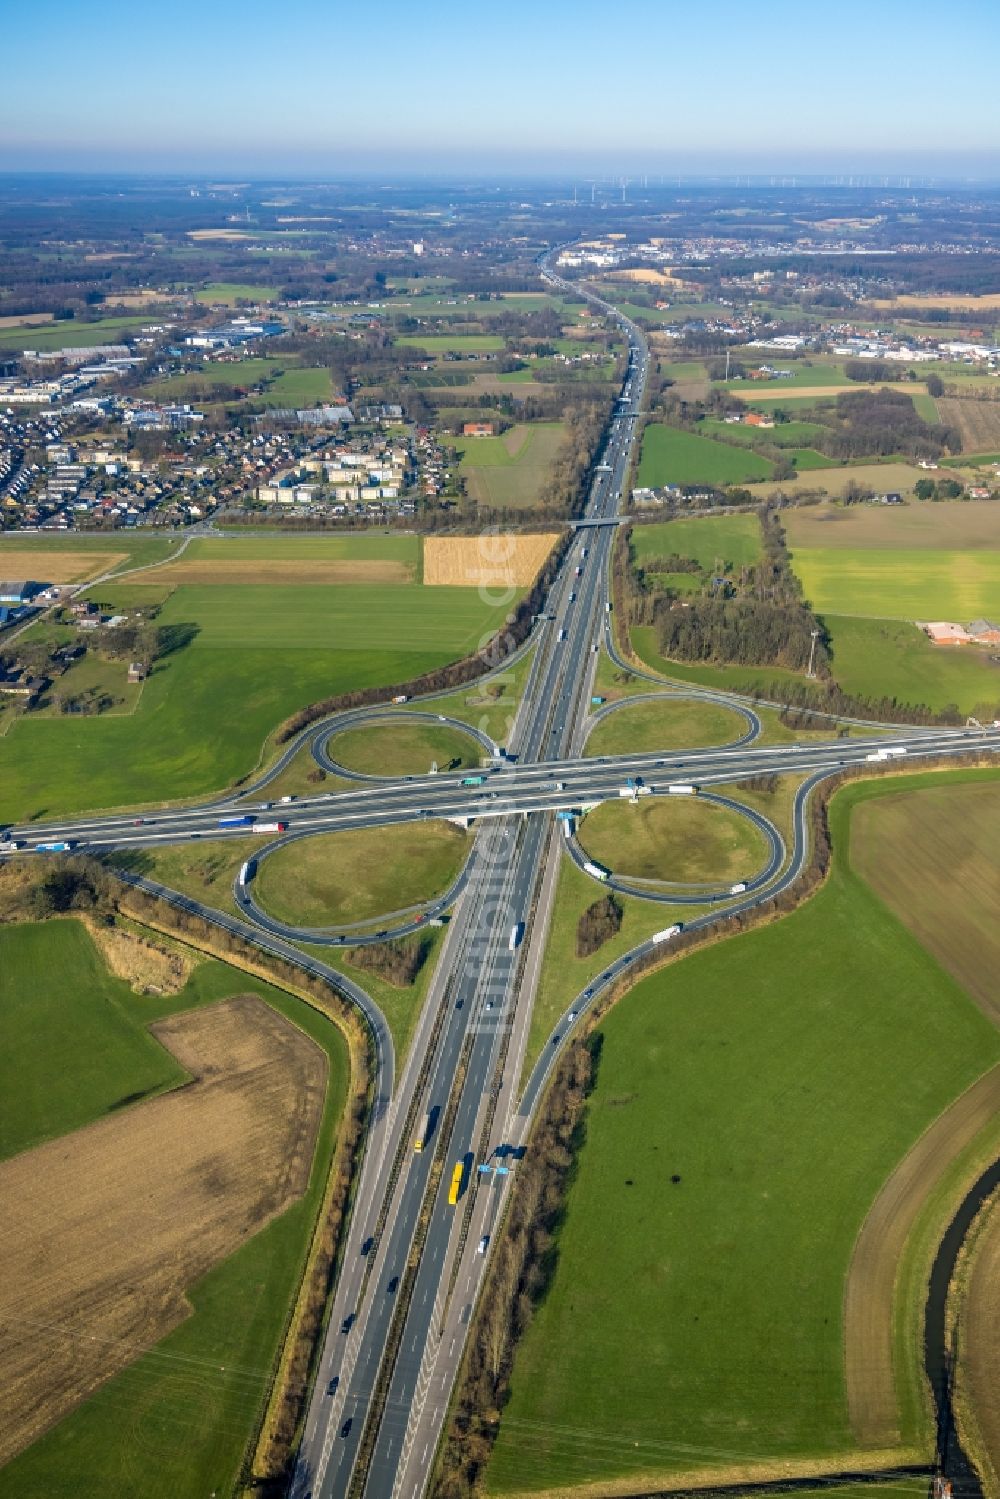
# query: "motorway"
411, 1267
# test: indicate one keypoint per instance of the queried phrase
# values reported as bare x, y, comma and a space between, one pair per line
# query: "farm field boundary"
868, 1300
281, 570
150, 1198
47, 566
742, 1478
952, 525
790, 1425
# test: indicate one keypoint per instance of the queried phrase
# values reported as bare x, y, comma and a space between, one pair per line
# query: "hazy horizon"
533, 91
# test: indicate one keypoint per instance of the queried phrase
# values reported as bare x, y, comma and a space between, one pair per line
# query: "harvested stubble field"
977, 421
282, 570
490, 560
142, 1203
951, 525
50, 566
988, 302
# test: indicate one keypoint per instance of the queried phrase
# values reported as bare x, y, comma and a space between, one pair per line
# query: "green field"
341, 879
231, 292
247, 372
174, 1425
258, 652
287, 385
901, 584
892, 658
490, 706
677, 840
563, 975
803, 373
926, 407
510, 471
73, 1043
694, 1321
807, 459
300, 387
401, 1005
670, 456
72, 334
733, 538
139, 550
400, 748
661, 725
783, 435
453, 343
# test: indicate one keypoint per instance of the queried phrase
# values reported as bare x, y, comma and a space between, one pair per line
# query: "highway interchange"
411, 1267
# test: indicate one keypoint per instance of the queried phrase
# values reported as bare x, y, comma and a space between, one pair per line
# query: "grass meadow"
670, 456
123, 549
404, 748
903, 584
564, 975
676, 840
256, 654
892, 658
663, 725
453, 343
175, 1424
694, 1321
360, 875
870, 571
231, 292
732, 538
509, 471
71, 334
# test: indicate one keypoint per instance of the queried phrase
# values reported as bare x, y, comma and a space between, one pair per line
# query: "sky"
337, 88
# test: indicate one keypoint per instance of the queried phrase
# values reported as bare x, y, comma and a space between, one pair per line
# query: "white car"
483, 1244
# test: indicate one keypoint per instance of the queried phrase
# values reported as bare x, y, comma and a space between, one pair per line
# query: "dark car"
393, 1285
366, 1247
331, 1388
345, 1430
347, 1323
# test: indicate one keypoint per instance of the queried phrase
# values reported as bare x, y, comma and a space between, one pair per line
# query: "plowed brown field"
103, 1229
493, 560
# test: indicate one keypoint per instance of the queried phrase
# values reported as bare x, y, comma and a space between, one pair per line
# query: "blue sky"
332, 88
